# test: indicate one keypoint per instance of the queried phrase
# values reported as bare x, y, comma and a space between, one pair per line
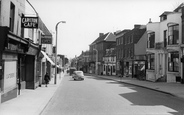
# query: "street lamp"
56, 51
96, 61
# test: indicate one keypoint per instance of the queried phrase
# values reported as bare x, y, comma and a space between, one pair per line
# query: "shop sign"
29, 22
46, 39
10, 68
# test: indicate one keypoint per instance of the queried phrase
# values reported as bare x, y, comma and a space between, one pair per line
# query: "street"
95, 96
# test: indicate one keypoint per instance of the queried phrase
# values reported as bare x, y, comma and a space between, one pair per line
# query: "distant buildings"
153, 51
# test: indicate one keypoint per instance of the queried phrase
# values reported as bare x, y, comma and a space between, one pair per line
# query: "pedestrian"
47, 79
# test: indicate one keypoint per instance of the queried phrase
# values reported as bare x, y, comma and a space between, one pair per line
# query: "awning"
47, 57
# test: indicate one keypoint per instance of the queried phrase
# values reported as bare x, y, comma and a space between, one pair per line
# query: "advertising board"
10, 71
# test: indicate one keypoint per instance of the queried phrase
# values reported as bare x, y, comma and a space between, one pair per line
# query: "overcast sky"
85, 19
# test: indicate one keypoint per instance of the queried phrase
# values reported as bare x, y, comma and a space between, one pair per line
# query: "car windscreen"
80, 73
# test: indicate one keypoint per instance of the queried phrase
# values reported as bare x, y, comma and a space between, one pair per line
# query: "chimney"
150, 21
101, 34
137, 26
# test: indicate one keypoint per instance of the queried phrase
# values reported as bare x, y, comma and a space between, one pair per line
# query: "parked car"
72, 69
78, 75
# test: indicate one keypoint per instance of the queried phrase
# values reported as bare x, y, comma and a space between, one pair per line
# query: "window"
165, 38
104, 67
113, 70
12, 15
173, 62
151, 40
173, 35
151, 61
117, 54
131, 39
125, 40
122, 53
121, 40
131, 52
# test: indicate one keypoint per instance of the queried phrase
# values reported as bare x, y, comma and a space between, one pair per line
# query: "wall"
140, 47
5, 12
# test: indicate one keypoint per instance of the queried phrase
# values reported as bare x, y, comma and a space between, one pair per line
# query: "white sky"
85, 19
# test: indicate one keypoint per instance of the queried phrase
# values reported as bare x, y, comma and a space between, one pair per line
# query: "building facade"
119, 52
129, 40
97, 51
164, 48
109, 65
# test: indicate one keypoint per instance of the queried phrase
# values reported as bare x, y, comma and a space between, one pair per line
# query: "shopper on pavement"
47, 79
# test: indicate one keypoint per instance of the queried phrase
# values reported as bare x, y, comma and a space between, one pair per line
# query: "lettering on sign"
29, 22
14, 47
10, 75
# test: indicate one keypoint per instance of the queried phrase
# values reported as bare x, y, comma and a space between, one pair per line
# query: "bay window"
173, 34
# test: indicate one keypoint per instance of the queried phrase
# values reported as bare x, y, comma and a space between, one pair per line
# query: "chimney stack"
101, 34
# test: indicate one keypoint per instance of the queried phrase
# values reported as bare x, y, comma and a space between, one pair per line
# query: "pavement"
32, 102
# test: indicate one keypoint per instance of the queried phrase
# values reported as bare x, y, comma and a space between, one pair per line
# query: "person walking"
47, 79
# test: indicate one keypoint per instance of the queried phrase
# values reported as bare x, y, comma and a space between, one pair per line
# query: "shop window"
173, 35
151, 61
104, 67
173, 62
151, 40
114, 69
12, 16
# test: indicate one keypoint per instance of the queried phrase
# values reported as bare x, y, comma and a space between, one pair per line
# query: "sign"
46, 39
29, 22
10, 71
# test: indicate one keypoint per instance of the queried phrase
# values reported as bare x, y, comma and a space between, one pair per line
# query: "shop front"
11, 46
128, 68
18, 59
139, 69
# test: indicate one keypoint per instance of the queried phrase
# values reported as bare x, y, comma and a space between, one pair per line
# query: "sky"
85, 19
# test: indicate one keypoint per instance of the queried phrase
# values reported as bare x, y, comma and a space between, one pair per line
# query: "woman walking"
47, 79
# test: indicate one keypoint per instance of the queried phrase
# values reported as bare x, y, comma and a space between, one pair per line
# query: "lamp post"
96, 61
55, 80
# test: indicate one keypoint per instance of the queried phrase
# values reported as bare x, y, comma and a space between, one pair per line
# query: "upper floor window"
131, 39
122, 53
163, 17
173, 35
151, 40
12, 16
165, 38
121, 40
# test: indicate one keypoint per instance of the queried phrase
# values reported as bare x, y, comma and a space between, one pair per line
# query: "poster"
10, 72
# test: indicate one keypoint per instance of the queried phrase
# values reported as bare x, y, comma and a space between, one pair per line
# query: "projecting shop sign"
46, 39
29, 22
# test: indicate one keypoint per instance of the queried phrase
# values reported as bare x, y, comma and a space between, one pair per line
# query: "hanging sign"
46, 39
29, 22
